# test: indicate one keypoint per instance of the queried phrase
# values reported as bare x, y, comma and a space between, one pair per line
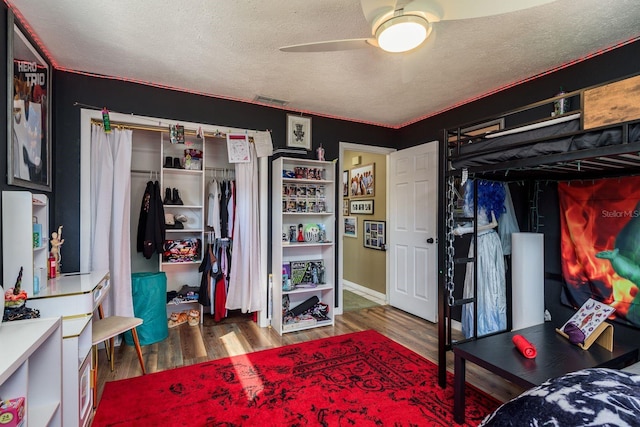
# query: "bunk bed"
530, 143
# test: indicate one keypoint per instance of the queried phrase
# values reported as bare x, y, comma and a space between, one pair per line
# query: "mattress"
527, 142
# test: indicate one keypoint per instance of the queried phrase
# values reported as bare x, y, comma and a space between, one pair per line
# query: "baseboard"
347, 285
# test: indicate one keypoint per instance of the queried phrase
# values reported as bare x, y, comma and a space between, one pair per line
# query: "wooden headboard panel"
612, 103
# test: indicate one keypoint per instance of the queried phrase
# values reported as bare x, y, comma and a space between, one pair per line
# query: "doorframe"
350, 146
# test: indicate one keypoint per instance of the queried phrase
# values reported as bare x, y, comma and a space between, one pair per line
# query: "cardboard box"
12, 412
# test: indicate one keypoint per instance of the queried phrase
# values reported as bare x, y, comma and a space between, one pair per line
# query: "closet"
185, 167
185, 176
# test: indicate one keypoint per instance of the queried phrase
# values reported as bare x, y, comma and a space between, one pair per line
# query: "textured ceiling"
229, 49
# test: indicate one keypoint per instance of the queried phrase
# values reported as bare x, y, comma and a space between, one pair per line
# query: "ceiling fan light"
402, 33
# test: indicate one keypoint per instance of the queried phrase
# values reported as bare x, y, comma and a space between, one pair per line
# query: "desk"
74, 297
556, 356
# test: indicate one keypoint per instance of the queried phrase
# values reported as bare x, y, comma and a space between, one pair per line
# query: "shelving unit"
30, 361
19, 211
303, 208
75, 297
190, 186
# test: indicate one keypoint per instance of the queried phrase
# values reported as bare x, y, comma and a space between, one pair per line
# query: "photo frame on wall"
345, 207
350, 226
374, 236
345, 183
29, 110
298, 131
362, 183
361, 207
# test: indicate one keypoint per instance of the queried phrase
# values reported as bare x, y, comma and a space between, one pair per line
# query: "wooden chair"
106, 329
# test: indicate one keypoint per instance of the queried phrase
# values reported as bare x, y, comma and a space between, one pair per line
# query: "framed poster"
29, 110
298, 131
362, 182
361, 207
375, 235
350, 226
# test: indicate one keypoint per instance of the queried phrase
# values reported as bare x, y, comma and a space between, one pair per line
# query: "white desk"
75, 297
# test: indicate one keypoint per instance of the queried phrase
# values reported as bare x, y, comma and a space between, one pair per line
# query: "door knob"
430, 240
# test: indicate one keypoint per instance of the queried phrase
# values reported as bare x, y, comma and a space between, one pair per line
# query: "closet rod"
157, 128
144, 171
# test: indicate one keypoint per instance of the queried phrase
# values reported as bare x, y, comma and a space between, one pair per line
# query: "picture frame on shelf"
29, 111
345, 183
298, 131
350, 225
361, 207
362, 182
374, 236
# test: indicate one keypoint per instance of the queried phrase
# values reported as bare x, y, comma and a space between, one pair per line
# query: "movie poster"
29, 121
600, 244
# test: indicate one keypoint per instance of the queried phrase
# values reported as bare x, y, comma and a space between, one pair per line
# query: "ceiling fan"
400, 26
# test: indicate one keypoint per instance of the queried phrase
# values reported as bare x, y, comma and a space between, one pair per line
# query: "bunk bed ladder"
448, 219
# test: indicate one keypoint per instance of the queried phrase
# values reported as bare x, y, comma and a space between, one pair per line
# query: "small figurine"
300, 234
18, 285
56, 242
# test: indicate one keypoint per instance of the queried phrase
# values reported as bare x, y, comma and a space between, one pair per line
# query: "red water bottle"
51, 262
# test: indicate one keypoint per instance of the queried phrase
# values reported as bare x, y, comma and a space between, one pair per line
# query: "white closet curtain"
110, 214
245, 290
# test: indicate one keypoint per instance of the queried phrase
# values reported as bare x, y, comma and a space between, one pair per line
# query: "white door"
413, 253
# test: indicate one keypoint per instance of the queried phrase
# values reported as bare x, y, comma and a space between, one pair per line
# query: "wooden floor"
187, 345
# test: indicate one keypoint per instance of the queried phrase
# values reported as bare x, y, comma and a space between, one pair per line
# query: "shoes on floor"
194, 317
178, 318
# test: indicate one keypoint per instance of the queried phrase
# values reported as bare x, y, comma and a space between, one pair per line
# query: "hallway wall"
364, 266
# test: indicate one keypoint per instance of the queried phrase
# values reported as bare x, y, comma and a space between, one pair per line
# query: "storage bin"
149, 291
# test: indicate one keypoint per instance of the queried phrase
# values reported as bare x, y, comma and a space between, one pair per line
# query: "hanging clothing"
213, 207
492, 300
151, 224
110, 214
224, 212
231, 208
245, 282
508, 222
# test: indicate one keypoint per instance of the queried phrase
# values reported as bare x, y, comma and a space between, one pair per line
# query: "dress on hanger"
491, 295
492, 300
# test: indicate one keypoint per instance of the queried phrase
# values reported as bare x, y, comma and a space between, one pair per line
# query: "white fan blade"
374, 9
331, 45
449, 10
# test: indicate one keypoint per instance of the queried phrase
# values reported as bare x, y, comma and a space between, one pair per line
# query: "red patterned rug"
358, 379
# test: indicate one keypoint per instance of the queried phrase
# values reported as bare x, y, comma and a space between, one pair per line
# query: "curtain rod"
156, 128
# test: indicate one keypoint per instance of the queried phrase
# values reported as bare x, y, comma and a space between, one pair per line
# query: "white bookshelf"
312, 207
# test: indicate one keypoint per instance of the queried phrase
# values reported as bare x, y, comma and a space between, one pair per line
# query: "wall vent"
271, 101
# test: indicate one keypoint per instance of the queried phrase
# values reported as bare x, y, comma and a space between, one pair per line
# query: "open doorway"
362, 260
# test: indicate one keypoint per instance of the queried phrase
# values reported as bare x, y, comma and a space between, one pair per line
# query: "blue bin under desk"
149, 291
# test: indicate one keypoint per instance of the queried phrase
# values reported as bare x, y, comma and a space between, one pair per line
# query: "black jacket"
151, 227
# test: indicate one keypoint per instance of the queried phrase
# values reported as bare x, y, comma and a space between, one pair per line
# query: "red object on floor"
361, 379
527, 349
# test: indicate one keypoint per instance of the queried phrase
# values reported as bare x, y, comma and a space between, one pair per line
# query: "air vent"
271, 101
